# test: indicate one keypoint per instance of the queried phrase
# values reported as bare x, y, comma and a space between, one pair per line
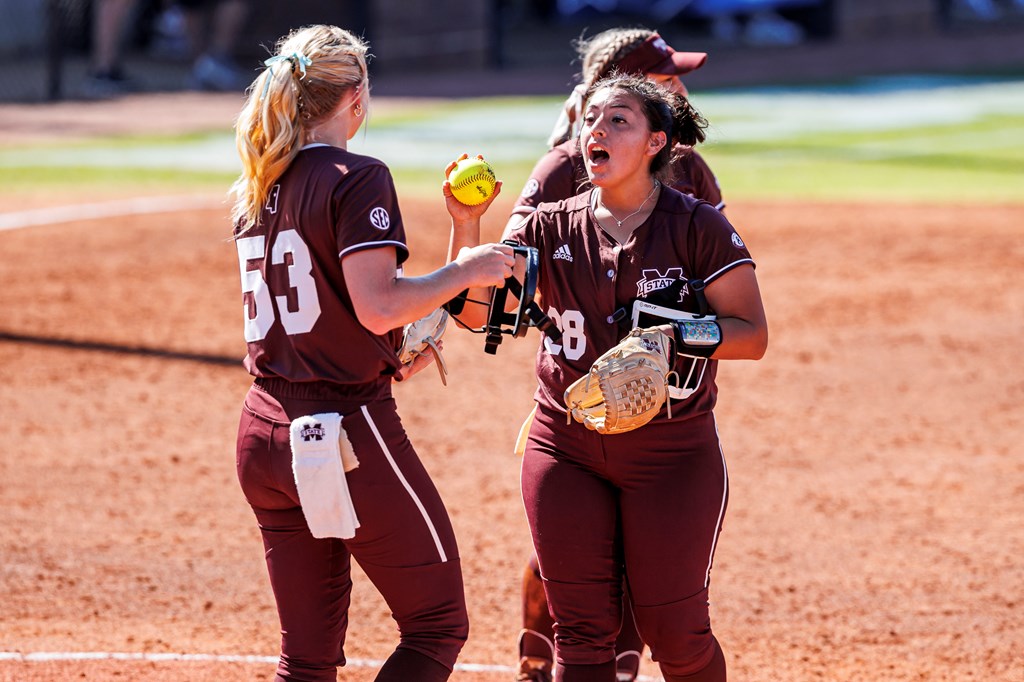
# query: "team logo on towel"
313, 432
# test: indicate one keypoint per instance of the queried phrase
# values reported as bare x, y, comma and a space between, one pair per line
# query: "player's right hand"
486, 265
462, 213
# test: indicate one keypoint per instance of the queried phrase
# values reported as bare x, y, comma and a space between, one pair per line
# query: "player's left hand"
460, 212
418, 364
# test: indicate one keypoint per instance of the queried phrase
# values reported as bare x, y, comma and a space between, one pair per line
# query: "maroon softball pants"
646, 506
405, 542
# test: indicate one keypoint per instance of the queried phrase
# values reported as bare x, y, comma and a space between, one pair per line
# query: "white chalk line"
108, 209
138, 206
59, 656
51, 656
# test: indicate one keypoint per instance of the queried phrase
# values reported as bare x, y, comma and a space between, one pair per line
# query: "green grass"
157, 180
980, 161
427, 183
977, 158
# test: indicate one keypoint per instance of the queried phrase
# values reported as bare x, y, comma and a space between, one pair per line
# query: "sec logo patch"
736, 241
531, 188
379, 218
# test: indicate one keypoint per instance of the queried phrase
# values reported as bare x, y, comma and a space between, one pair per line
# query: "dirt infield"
874, 529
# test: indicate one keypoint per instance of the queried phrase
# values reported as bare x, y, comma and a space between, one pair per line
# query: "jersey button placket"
610, 276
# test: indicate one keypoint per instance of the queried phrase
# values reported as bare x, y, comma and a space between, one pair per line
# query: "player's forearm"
741, 340
724, 338
463, 235
401, 300
467, 235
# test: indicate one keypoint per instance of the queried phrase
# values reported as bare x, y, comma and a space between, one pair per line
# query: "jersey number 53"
259, 311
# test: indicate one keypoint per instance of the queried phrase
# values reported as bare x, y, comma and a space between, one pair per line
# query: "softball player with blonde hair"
322, 457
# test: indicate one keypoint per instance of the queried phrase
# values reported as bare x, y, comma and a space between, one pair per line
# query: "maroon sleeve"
367, 213
719, 248
694, 178
705, 184
554, 177
527, 232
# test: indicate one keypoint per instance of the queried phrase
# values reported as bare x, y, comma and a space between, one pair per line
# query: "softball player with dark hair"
558, 175
640, 510
320, 245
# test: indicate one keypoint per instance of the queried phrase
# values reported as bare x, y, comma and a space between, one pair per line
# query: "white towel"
321, 454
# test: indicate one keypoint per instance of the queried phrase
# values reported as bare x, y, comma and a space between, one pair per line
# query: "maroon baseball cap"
654, 55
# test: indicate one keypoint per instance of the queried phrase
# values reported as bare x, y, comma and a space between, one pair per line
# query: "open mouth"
597, 154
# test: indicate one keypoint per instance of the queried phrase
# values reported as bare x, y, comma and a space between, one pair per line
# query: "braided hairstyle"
599, 56
666, 111
602, 53
313, 69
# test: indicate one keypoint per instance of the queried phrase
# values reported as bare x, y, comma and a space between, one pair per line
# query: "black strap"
527, 314
495, 317
457, 304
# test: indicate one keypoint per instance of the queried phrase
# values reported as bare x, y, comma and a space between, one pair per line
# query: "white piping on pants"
408, 488
721, 510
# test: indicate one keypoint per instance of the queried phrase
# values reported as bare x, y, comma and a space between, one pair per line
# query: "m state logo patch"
313, 432
653, 280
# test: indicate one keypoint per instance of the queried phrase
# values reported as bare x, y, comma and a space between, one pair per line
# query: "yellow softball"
472, 181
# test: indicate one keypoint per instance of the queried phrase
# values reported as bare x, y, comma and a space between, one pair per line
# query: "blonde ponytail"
313, 68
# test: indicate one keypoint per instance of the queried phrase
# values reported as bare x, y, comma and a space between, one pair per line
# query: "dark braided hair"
599, 56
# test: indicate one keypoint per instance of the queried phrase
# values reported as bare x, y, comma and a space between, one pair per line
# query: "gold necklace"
618, 222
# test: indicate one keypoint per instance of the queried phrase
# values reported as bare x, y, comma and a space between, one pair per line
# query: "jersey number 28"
574, 342
259, 312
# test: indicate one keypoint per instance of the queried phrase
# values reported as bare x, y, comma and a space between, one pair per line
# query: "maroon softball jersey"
297, 305
310, 355
588, 281
560, 174
646, 505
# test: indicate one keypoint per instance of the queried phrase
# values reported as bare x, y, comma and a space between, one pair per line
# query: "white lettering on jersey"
379, 218
258, 313
300, 279
654, 280
275, 192
562, 253
574, 341
736, 241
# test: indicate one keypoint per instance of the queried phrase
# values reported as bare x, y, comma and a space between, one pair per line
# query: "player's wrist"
466, 224
697, 338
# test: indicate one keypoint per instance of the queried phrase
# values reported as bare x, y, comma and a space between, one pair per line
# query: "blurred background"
91, 49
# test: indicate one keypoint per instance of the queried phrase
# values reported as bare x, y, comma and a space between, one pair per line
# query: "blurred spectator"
106, 76
213, 29
205, 32
754, 22
987, 10
170, 36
